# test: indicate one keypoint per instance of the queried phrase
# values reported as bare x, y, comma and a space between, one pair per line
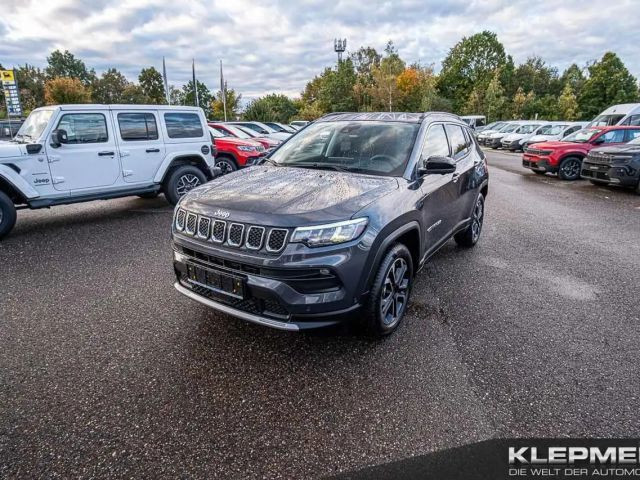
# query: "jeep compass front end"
331, 223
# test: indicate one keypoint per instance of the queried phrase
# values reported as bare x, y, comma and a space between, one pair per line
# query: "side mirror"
59, 137
437, 166
598, 141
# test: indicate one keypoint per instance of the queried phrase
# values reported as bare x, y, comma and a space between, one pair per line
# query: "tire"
182, 180
538, 172
7, 215
468, 237
226, 164
570, 168
389, 292
150, 195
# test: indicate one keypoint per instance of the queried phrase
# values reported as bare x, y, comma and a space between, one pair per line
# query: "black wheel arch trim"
195, 160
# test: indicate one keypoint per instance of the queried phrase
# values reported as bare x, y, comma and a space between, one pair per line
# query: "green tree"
176, 95
414, 84
573, 76
232, 100
134, 94
152, 85
475, 103
271, 108
609, 83
31, 82
65, 90
385, 94
494, 99
567, 104
336, 91
109, 88
470, 63
65, 64
204, 96
365, 59
536, 76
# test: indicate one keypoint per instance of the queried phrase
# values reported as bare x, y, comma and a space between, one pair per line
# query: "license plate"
216, 281
594, 167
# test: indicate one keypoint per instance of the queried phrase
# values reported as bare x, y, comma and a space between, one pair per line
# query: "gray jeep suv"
336, 221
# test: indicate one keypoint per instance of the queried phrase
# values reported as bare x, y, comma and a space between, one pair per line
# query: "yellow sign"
7, 76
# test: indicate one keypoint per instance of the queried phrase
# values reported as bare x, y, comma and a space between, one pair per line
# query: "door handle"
456, 177
106, 154
153, 150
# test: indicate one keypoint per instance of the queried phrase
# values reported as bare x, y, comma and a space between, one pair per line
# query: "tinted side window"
457, 140
632, 135
84, 127
572, 129
137, 126
633, 120
613, 136
183, 125
435, 143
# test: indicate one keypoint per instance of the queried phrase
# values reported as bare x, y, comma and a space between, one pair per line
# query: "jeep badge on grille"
221, 214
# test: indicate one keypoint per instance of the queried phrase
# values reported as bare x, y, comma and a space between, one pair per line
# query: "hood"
497, 135
514, 136
279, 135
11, 149
268, 142
629, 149
236, 141
542, 138
556, 144
284, 196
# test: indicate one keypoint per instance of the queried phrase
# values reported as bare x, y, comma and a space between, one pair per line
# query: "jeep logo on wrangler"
39, 181
221, 214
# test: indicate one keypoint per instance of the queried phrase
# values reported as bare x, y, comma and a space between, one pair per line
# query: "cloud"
277, 46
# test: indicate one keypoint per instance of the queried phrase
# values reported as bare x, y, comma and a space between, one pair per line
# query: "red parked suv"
565, 157
233, 153
248, 134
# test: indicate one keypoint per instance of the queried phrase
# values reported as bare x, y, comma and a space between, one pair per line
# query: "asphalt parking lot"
107, 370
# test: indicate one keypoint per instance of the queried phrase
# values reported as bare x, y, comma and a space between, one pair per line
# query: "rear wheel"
7, 215
226, 164
389, 295
470, 235
570, 168
181, 181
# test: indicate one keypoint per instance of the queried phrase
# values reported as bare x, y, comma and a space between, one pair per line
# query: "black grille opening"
203, 227
180, 217
217, 233
191, 223
277, 237
235, 234
254, 237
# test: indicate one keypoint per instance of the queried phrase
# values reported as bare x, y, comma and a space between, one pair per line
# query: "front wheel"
468, 237
389, 295
181, 181
7, 215
570, 168
226, 165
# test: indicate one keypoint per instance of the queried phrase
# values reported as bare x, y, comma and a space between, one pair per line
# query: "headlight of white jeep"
330, 234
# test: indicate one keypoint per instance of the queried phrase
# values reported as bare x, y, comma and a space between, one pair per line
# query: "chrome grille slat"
180, 218
255, 235
276, 240
236, 231
203, 227
218, 231
190, 227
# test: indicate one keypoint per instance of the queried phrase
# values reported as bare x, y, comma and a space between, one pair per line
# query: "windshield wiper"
319, 166
272, 162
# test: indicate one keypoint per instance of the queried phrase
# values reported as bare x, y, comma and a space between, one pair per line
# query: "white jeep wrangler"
76, 153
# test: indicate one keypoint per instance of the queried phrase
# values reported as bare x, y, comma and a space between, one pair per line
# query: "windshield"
552, 129
528, 128
34, 125
497, 126
582, 136
606, 120
217, 133
375, 148
240, 132
508, 128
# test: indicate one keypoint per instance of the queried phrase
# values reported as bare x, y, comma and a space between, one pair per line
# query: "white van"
623, 114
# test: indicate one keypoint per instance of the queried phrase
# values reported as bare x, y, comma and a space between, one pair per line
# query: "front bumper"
623, 175
512, 145
494, 142
281, 291
537, 163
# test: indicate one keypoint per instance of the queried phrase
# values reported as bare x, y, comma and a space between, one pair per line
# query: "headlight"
330, 234
246, 148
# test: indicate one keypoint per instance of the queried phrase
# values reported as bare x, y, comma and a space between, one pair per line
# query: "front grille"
218, 230
203, 227
235, 234
277, 238
254, 237
600, 157
180, 218
191, 223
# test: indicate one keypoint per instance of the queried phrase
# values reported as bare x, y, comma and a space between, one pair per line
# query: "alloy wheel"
394, 292
225, 166
571, 169
186, 183
476, 221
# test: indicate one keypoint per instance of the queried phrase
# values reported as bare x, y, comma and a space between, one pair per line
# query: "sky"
277, 46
